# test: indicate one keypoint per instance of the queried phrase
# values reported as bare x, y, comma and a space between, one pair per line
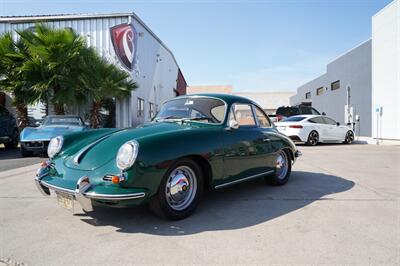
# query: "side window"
313, 120
329, 121
243, 114
262, 119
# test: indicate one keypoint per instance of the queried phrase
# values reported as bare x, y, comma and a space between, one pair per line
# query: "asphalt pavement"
341, 206
11, 159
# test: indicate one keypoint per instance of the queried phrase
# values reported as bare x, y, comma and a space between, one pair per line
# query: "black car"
287, 111
9, 135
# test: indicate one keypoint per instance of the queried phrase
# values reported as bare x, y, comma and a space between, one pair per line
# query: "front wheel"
283, 168
24, 152
313, 138
349, 137
180, 191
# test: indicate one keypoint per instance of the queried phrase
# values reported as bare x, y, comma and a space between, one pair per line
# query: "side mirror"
87, 124
323, 113
233, 124
337, 123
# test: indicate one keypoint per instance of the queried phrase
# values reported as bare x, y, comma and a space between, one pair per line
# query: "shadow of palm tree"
236, 207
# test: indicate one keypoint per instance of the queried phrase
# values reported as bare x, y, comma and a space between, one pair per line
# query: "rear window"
294, 119
287, 111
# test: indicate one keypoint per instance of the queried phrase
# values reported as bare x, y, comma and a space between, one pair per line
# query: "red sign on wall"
124, 38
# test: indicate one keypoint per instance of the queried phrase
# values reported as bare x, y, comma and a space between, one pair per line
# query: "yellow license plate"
65, 200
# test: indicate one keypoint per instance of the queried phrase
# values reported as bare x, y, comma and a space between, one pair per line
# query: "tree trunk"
59, 109
95, 114
22, 114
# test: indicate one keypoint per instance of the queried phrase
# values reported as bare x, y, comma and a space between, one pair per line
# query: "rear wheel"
180, 191
14, 141
283, 168
349, 137
313, 138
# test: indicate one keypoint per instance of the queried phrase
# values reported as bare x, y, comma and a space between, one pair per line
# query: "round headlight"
127, 154
55, 146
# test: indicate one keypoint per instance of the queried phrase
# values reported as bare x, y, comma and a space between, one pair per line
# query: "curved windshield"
63, 121
202, 109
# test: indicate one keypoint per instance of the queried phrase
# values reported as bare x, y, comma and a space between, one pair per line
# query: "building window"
320, 91
151, 110
335, 85
140, 107
308, 95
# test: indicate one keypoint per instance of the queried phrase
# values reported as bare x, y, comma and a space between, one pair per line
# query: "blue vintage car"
36, 139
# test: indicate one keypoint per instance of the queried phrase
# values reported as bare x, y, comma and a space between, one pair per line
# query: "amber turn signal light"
115, 179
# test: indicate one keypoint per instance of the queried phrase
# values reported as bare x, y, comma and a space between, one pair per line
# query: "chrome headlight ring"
127, 154
55, 146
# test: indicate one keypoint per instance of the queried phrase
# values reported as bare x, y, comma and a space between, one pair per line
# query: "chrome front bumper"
81, 193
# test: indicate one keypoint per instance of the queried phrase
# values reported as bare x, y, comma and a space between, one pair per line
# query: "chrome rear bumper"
81, 193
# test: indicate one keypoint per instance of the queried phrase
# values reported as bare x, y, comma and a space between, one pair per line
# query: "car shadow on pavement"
236, 207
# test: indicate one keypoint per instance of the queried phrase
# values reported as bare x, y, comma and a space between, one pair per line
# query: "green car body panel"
224, 154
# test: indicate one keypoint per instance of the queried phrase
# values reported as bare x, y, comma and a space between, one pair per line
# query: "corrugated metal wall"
155, 72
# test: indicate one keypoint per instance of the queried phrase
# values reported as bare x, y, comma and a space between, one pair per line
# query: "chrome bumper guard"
81, 193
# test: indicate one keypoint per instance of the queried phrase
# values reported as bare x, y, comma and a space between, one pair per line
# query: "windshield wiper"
168, 117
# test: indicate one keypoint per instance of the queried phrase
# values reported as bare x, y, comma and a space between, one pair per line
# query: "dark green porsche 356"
195, 142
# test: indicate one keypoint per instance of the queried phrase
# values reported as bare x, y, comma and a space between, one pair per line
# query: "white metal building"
344, 91
126, 41
386, 72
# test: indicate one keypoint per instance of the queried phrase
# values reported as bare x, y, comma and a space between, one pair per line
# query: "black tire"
14, 142
313, 138
161, 204
280, 178
349, 137
24, 152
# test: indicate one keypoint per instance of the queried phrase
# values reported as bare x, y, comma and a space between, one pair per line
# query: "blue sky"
253, 45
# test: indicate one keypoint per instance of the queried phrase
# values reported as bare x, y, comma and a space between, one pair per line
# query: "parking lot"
341, 206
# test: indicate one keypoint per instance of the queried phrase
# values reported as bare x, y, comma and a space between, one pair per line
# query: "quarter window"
262, 118
140, 107
308, 95
335, 85
243, 115
329, 121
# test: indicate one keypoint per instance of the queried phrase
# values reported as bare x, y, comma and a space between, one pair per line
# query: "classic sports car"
36, 139
195, 142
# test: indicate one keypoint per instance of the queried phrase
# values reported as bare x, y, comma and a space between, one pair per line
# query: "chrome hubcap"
181, 188
281, 165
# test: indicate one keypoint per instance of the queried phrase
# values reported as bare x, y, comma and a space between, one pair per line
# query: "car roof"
308, 116
228, 98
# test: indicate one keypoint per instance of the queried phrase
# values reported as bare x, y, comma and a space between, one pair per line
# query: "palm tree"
103, 80
54, 67
12, 56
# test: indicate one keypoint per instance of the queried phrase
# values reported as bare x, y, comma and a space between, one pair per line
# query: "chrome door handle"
266, 139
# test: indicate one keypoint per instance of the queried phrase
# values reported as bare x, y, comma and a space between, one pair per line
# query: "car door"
318, 124
246, 148
333, 132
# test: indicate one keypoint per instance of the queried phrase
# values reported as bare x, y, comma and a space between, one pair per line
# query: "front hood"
47, 132
101, 151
